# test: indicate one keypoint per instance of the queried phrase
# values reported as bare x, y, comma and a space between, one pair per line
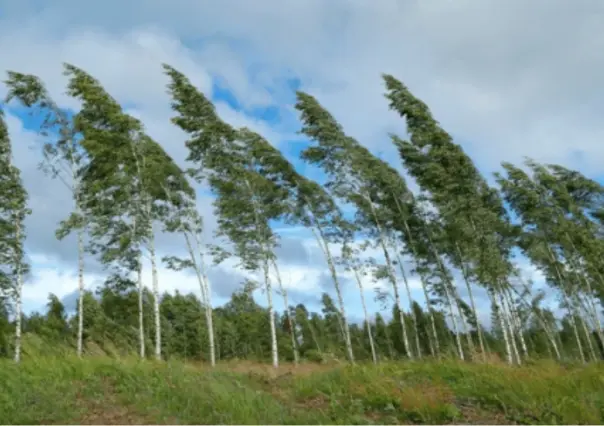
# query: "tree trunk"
391, 275
549, 333
497, 308
517, 322
18, 293
80, 237
567, 301
509, 325
155, 281
141, 324
446, 283
204, 288
466, 278
434, 347
271, 314
290, 320
364, 305
320, 237
418, 347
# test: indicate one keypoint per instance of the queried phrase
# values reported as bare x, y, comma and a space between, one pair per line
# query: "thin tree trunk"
464, 323
497, 308
141, 325
517, 322
569, 305
592, 307
454, 321
18, 293
434, 347
290, 320
392, 276
271, 314
548, 332
205, 292
466, 278
590, 346
446, 283
418, 347
508, 323
320, 237
80, 237
364, 305
155, 281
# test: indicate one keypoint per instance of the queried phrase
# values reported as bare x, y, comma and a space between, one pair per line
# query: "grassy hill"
61, 390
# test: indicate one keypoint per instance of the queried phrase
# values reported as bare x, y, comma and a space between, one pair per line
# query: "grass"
100, 390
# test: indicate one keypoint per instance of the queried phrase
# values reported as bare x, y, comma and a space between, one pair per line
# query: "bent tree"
13, 211
62, 159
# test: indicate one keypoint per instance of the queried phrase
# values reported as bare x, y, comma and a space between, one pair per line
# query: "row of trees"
457, 232
240, 327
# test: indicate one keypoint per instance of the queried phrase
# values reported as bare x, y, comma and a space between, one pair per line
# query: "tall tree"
354, 179
13, 211
62, 159
246, 200
471, 211
123, 186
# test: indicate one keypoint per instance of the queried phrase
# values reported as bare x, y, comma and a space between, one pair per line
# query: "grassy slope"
105, 391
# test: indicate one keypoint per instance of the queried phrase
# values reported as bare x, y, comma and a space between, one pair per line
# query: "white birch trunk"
155, 282
418, 347
206, 296
393, 281
510, 326
508, 347
319, 236
290, 321
80, 237
141, 323
587, 337
466, 278
571, 310
364, 305
18, 295
549, 333
435, 346
517, 322
446, 283
271, 314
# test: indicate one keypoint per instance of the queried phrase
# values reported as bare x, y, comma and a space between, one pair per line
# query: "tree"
62, 158
352, 180
125, 186
13, 211
472, 213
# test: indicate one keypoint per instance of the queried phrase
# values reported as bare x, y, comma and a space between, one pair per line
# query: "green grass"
102, 390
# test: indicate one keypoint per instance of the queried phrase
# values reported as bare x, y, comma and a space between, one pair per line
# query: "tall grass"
63, 390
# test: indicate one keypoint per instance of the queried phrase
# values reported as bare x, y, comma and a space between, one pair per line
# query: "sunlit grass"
102, 390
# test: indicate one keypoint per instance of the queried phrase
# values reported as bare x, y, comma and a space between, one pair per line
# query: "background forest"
457, 231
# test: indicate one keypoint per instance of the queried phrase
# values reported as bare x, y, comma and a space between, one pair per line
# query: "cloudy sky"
506, 78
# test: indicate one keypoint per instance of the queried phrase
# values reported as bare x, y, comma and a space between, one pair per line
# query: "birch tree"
345, 162
62, 159
123, 186
13, 211
471, 210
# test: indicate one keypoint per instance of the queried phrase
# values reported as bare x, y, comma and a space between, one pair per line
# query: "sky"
507, 79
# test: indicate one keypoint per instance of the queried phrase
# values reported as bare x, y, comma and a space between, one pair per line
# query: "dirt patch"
107, 409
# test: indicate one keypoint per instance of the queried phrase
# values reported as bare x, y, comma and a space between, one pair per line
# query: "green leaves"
13, 211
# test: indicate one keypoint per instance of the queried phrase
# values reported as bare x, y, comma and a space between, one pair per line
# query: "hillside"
102, 390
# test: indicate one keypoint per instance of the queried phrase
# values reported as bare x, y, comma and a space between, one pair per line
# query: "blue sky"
504, 84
